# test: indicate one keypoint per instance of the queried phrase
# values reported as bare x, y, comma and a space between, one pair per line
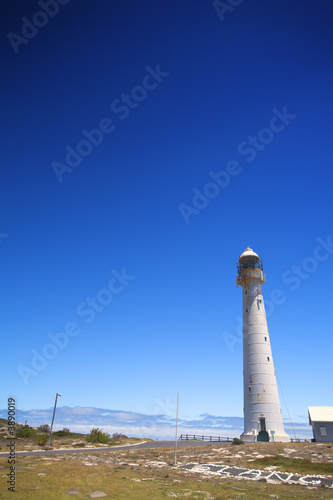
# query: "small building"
321, 419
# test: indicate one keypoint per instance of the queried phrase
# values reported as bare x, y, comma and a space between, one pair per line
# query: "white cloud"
83, 419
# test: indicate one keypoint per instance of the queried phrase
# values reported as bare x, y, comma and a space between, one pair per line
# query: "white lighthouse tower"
262, 411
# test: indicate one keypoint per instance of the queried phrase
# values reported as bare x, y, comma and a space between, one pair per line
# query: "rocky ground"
241, 455
309, 464
224, 471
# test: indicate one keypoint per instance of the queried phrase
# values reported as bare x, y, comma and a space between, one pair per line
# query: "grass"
296, 465
149, 474
125, 481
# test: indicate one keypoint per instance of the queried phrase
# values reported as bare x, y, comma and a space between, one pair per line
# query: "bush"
118, 435
237, 441
79, 445
60, 433
44, 428
25, 432
42, 440
66, 430
98, 436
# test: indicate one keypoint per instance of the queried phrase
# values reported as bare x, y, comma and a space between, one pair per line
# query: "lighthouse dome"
248, 253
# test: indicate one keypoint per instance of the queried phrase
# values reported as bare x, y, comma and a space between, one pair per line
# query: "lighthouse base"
254, 437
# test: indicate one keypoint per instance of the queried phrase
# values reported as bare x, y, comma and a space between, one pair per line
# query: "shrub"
237, 441
42, 440
60, 433
65, 429
118, 435
25, 432
44, 428
79, 445
98, 436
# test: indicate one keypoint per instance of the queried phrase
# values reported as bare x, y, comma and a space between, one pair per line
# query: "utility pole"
54, 410
176, 429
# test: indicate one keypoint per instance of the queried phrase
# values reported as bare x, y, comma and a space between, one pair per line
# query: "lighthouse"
262, 411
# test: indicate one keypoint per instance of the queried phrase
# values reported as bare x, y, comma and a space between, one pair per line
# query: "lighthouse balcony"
253, 273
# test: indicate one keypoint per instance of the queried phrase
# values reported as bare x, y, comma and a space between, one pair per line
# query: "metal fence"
197, 437
300, 440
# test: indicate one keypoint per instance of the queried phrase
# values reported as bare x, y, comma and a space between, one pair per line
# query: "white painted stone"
97, 494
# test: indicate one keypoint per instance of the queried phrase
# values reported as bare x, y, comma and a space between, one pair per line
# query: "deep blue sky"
165, 332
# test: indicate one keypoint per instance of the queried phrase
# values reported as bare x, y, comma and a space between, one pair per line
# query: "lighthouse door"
262, 423
263, 434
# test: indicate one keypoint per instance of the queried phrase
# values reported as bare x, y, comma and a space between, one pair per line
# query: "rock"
72, 491
97, 494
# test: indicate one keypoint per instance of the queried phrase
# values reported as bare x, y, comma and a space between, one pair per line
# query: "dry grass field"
150, 474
